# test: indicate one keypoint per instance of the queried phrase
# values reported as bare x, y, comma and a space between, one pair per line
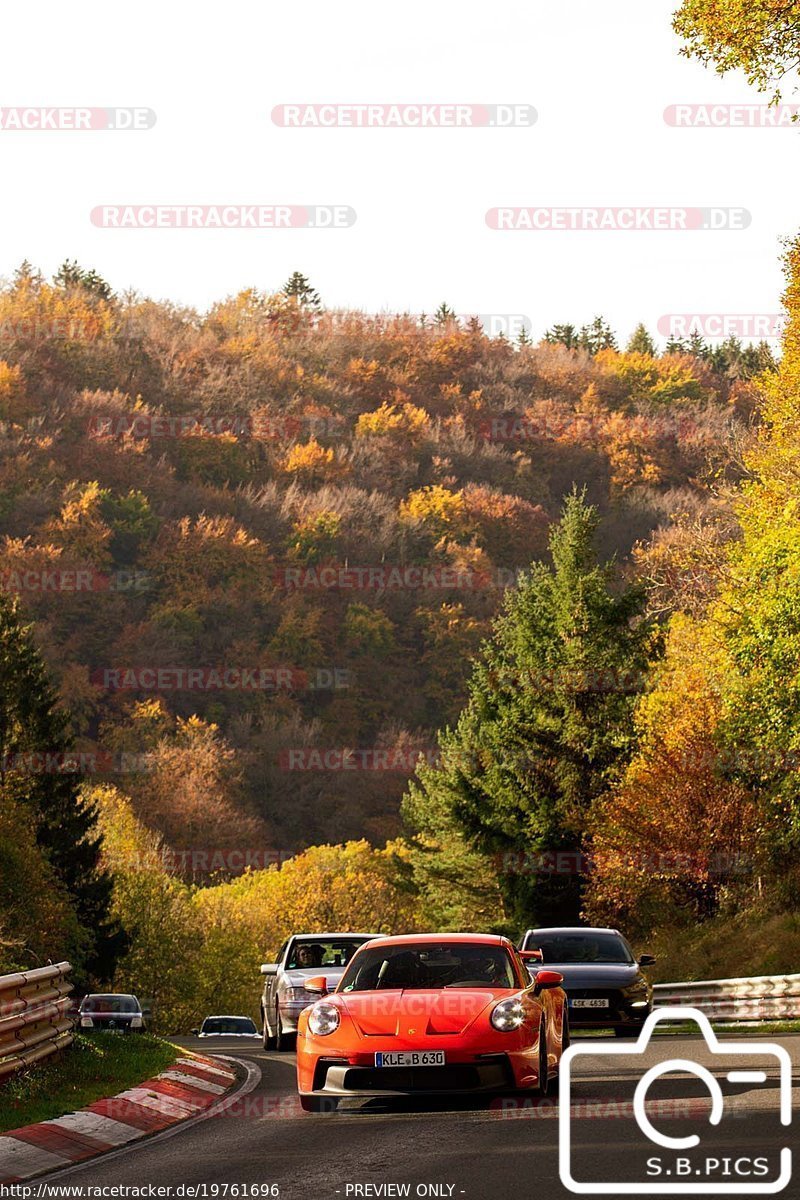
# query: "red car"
424, 1014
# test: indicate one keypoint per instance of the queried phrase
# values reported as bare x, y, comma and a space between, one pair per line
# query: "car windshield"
580, 947
322, 952
228, 1025
110, 1004
429, 965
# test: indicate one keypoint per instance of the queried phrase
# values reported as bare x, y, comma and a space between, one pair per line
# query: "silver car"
301, 957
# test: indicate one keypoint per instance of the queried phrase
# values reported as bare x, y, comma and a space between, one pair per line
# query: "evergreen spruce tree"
565, 335
298, 288
640, 342
597, 336
33, 727
71, 275
547, 724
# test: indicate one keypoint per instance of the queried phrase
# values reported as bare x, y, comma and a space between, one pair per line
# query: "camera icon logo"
684, 1167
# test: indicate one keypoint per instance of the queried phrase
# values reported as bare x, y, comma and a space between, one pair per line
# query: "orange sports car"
431, 1013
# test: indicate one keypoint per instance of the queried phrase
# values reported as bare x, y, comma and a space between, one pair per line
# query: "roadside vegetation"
90, 1069
600, 720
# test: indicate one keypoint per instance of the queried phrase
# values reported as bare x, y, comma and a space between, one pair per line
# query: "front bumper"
484, 1073
110, 1026
620, 1013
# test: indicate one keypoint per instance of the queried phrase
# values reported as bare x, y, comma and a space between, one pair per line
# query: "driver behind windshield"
308, 956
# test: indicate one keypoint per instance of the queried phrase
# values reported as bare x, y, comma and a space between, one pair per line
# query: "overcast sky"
599, 75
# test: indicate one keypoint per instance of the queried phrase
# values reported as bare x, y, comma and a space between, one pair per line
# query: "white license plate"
411, 1058
588, 1004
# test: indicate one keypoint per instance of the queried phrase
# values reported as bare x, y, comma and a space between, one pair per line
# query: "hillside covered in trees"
255, 538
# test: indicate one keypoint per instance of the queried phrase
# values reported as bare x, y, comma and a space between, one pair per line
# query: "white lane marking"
202, 1085
251, 1082
105, 1129
19, 1159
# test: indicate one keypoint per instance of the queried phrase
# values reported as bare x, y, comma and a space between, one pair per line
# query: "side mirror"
647, 960
548, 979
317, 983
531, 955
269, 968
195, 1033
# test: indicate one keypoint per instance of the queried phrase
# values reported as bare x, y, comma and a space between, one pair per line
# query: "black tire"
267, 1038
283, 1041
319, 1104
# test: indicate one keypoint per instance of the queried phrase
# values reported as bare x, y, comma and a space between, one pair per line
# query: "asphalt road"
484, 1150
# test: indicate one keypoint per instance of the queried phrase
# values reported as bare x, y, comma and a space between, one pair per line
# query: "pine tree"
298, 288
444, 314
597, 336
547, 724
564, 335
31, 724
27, 278
640, 342
71, 275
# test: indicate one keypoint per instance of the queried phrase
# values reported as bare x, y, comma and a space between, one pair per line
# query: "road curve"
476, 1150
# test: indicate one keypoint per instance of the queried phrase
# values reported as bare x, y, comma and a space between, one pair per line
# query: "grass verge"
93, 1067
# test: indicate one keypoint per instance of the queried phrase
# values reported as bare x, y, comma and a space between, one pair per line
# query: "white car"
300, 958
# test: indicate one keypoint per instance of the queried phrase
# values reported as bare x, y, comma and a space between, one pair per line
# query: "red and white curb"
190, 1086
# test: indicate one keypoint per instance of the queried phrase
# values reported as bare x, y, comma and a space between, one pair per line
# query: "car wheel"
544, 1066
283, 1041
319, 1104
267, 1038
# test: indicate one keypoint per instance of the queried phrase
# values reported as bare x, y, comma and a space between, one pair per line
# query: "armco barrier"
33, 1016
763, 998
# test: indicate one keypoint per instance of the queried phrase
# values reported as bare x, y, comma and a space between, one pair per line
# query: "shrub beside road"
88, 1070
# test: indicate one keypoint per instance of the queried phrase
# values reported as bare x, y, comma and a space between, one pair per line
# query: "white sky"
599, 74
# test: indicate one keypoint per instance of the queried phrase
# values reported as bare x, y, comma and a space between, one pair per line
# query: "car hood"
399, 1013
600, 975
297, 977
110, 1016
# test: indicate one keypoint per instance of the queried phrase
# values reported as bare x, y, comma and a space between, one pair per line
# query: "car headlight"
87, 1023
300, 994
323, 1018
508, 1015
136, 1022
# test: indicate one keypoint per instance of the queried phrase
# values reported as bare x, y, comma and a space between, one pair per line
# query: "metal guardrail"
34, 1020
763, 998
